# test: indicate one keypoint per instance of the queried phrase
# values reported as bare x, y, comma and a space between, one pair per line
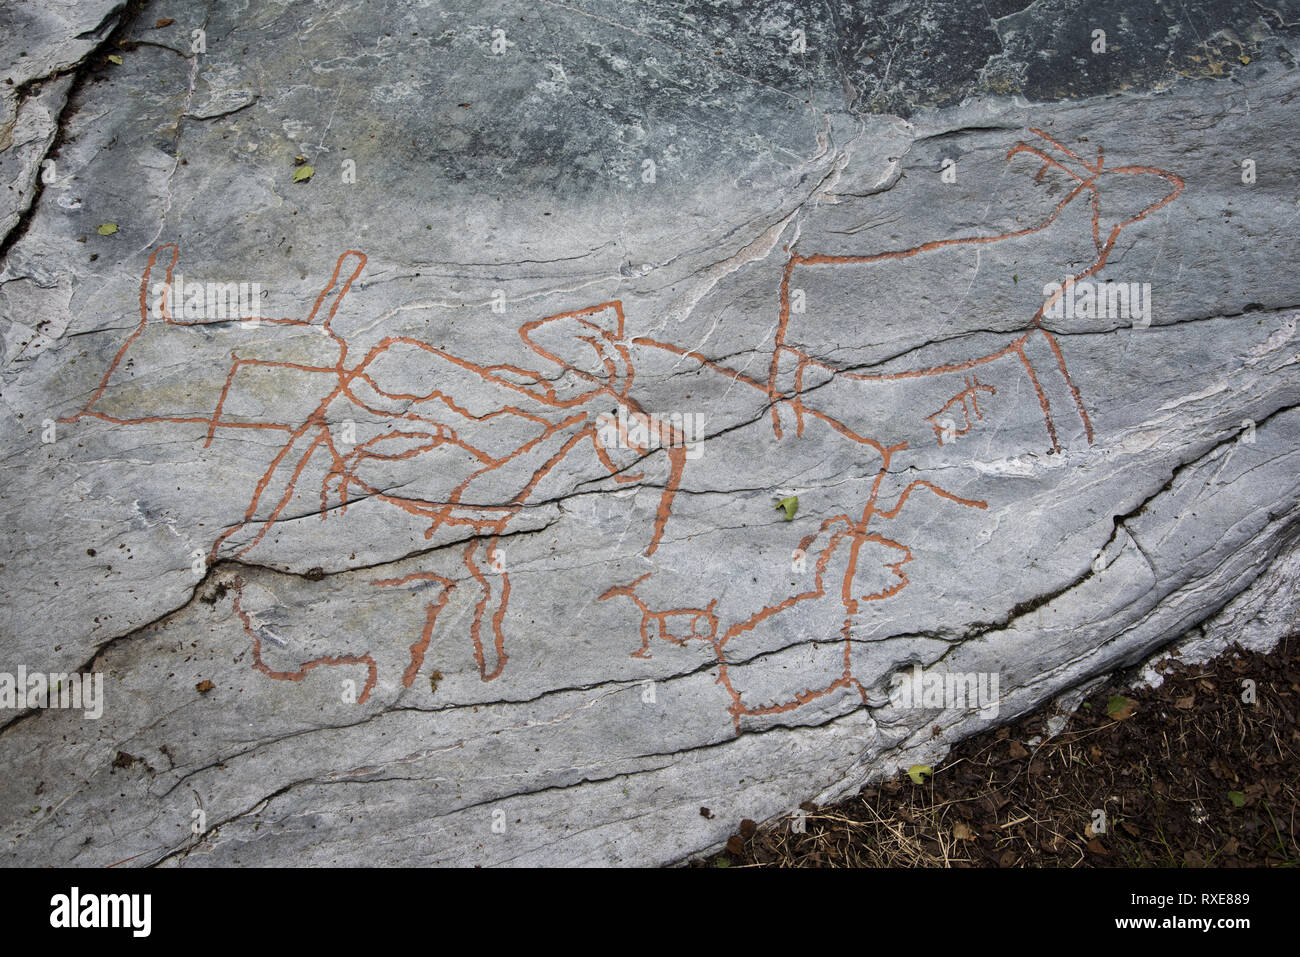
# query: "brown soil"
1188, 774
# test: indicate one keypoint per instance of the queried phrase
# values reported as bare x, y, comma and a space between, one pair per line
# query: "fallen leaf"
736, 845
114, 58
747, 828
303, 173
1119, 707
107, 229
163, 22
962, 833
790, 504
917, 773
204, 686
1237, 798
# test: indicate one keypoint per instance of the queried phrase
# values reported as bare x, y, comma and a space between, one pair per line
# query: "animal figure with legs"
551, 425
790, 361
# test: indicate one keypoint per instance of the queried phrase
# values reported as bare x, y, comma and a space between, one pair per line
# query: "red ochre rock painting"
579, 425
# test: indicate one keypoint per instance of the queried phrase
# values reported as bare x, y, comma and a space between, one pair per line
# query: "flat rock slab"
397, 408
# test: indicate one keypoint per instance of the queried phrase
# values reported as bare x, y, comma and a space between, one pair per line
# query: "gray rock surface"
384, 577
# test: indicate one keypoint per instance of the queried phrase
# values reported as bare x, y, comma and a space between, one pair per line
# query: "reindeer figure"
794, 365
551, 426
